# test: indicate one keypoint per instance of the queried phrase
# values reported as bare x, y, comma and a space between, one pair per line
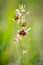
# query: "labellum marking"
22, 32
16, 17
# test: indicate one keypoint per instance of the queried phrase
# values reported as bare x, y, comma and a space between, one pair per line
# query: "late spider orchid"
23, 32
17, 15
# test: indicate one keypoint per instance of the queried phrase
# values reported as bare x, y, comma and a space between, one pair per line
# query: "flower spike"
21, 19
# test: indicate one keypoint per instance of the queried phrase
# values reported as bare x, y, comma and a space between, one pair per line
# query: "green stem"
21, 61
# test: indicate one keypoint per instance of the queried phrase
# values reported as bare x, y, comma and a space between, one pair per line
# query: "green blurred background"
10, 53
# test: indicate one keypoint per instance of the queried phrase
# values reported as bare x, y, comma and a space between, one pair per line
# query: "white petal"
18, 20
18, 31
18, 13
17, 10
18, 35
23, 10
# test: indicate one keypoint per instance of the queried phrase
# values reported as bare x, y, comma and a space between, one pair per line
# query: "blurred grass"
8, 27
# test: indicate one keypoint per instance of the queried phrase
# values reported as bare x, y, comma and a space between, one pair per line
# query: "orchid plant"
20, 19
